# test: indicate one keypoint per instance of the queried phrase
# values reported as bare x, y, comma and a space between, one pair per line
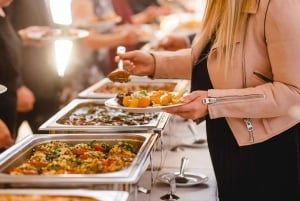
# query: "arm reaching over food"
160, 64
27, 40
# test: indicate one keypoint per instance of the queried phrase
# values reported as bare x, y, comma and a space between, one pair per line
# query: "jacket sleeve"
173, 64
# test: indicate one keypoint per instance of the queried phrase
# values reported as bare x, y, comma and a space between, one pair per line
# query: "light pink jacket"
263, 81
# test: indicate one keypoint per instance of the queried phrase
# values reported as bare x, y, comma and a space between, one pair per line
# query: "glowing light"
61, 15
63, 49
60, 11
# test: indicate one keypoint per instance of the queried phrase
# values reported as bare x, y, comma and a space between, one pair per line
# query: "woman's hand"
5, 136
192, 107
138, 62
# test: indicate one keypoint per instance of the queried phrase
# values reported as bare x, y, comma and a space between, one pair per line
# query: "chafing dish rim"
52, 125
129, 175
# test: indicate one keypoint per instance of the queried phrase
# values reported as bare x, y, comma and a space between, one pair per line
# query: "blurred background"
76, 64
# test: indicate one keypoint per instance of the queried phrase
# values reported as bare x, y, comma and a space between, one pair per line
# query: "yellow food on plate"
143, 98
144, 101
166, 98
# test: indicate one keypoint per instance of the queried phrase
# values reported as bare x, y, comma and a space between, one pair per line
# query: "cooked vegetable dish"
97, 114
8, 197
95, 157
111, 87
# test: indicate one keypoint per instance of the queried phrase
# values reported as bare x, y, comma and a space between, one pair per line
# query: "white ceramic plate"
98, 24
2, 88
193, 178
112, 103
53, 34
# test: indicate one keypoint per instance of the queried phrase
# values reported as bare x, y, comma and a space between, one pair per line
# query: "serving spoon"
180, 178
119, 75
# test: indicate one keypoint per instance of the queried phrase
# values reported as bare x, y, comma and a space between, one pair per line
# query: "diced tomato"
98, 147
79, 151
105, 162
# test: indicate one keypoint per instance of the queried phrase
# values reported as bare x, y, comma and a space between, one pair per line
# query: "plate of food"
105, 19
145, 102
192, 178
2, 88
53, 34
104, 23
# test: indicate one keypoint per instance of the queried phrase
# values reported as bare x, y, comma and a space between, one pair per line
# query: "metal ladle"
180, 178
119, 75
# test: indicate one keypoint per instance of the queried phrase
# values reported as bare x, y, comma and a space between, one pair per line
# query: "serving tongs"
119, 75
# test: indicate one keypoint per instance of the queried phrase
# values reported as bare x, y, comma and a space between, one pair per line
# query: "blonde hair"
223, 20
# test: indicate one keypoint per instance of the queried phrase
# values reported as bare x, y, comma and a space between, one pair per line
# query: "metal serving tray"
19, 152
95, 92
99, 195
53, 125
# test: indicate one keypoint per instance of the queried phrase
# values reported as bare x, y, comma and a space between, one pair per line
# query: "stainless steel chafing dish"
155, 121
95, 91
120, 180
101, 195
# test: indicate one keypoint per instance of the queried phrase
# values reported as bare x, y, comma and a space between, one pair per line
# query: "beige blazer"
263, 81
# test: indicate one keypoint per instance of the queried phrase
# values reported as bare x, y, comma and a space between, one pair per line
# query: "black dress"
267, 171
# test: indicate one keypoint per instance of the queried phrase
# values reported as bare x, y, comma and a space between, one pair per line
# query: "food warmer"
107, 89
91, 115
122, 180
63, 194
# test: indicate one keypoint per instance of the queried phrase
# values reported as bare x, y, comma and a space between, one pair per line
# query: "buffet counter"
178, 132
151, 174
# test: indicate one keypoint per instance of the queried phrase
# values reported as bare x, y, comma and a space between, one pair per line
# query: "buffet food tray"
97, 195
19, 153
107, 89
63, 120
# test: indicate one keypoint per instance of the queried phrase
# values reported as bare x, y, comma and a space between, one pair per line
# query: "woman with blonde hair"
244, 65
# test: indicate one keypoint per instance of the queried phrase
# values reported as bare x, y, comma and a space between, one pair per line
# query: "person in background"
175, 42
38, 70
244, 67
91, 56
9, 70
138, 6
98, 50
148, 11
